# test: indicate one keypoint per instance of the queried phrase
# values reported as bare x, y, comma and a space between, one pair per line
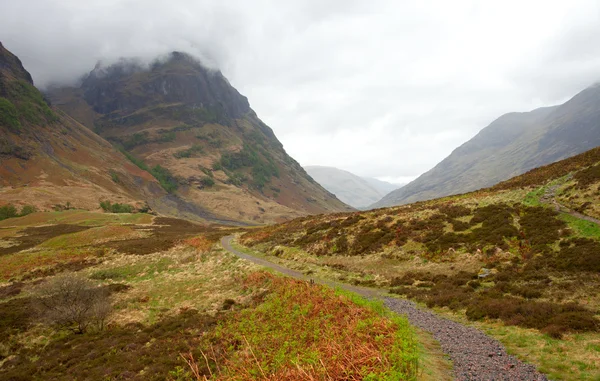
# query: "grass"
197, 300
93, 236
576, 357
77, 217
533, 198
582, 228
14, 266
304, 331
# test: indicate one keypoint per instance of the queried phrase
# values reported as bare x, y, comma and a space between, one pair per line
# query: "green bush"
28, 209
116, 207
165, 178
114, 176
207, 181
8, 211
186, 153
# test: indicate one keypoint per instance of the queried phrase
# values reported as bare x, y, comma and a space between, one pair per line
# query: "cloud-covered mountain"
49, 160
198, 136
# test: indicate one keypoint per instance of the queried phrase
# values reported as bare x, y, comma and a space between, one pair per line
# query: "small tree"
73, 302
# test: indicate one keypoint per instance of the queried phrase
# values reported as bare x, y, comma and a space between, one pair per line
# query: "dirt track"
475, 355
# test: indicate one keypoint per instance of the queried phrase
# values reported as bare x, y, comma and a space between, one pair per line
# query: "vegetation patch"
192, 151
10, 211
260, 163
9, 116
305, 331
107, 206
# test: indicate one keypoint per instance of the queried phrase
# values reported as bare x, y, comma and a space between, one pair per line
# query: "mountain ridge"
352, 189
49, 160
509, 146
200, 132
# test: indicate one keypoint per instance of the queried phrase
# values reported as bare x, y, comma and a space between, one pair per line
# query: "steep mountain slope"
48, 159
511, 145
348, 187
191, 128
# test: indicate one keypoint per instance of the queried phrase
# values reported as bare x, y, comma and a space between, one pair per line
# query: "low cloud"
380, 88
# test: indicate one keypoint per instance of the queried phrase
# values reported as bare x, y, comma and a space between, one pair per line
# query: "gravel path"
475, 355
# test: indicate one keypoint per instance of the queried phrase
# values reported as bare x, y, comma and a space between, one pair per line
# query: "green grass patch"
533, 198
138, 271
582, 228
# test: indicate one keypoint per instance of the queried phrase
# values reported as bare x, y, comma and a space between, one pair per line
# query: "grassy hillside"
199, 137
48, 160
521, 259
178, 307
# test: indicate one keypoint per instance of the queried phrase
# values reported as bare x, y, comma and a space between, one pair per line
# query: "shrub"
455, 211
8, 211
540, 225
114, 176
587, 176
165, 178
28, 209
116, 207
207, 181
186, 153
73, 302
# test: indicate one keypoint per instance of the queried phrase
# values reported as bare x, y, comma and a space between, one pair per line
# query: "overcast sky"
382, 88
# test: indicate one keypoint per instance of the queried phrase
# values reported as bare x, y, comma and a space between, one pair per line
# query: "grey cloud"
381, 88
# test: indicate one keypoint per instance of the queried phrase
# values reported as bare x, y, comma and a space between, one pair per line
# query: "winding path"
475, 355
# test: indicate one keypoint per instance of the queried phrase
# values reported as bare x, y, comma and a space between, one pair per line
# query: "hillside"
521, 260
48, 160
354, 190
509, 146
213, 153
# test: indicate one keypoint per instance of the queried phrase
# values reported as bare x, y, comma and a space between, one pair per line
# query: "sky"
381, 88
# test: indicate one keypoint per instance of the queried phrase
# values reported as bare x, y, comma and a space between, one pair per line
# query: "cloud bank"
382, 88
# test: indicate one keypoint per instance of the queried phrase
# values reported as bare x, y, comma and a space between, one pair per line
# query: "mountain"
49, 160
382, 187
509, 146
352, 189
197, 134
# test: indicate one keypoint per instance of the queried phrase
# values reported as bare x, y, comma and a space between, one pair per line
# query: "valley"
153, 227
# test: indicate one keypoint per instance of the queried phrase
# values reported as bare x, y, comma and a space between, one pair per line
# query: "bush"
116, 207
186, 153
73, 302
165, 178
8, 211
207, 181
28, 209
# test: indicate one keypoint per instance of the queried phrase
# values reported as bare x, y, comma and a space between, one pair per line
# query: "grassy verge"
306, 331
575, 357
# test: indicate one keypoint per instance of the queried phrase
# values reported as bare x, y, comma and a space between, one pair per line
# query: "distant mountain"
510, 146
199, 137
382, 187
352, 189
49, 160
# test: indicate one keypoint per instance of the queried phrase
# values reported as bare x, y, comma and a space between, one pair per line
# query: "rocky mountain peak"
11, 69
127, 85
